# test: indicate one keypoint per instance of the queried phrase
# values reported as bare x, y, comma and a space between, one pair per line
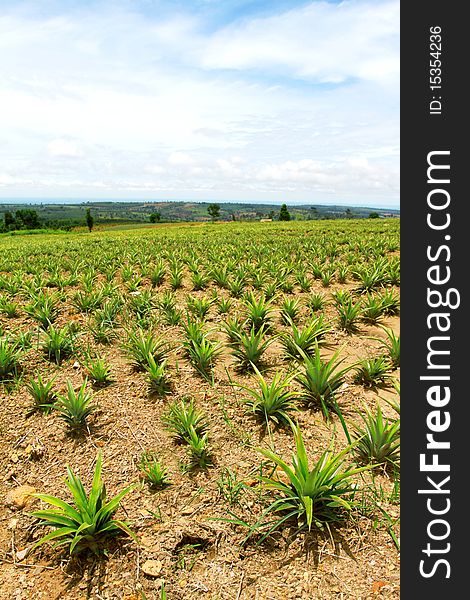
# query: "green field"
243, 378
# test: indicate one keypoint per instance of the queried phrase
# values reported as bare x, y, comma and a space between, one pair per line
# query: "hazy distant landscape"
57, 215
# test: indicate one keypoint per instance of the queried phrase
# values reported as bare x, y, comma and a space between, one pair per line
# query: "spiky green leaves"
75, 407
310, 495
87, 523
271, 401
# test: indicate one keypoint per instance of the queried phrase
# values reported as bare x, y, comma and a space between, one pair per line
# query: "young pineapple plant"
341, 297
153, 471
316, 269
236, 286
290, 310
176, 276
105, 320
257, 278
224, 305
220, 276
9, 307
199, 280
392, 346
373, 372
9, 360
42, 393
98, 370
157, 376
183, 416
134, 282
316, 302
87, 302
102, 331
390, 302
373, 309
392, 273
88, 523
272, 401
142, 304
305, 339
303, 281
258, 311
327, 276
23, 340
44, 308
349, 314
342, 273
75, 407
202, 354
233, 328
377, 440
199, 307
198, 446
58, 343
370, 277
270, 290
89, 280
312, 495
284, 282
172, 316
321, 379
157, 274
140, 346
167, 305
249, 348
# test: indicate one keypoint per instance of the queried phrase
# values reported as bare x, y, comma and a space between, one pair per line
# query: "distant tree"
284, 214
90, 221
314, 212
374, 215
27, 219
214, 211
272, 214
155, 217
349, 214
9, 221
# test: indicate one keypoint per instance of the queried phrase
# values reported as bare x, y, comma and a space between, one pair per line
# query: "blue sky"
200, 99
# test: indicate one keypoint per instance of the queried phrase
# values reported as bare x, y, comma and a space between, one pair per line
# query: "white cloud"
65, 148
321, 41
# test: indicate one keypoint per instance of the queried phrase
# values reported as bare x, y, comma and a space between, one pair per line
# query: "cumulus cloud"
321, 41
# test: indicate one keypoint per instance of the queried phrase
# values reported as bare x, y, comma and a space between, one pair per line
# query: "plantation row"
271, 313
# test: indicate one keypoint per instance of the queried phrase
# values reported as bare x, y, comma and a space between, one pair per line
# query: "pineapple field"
201, 411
